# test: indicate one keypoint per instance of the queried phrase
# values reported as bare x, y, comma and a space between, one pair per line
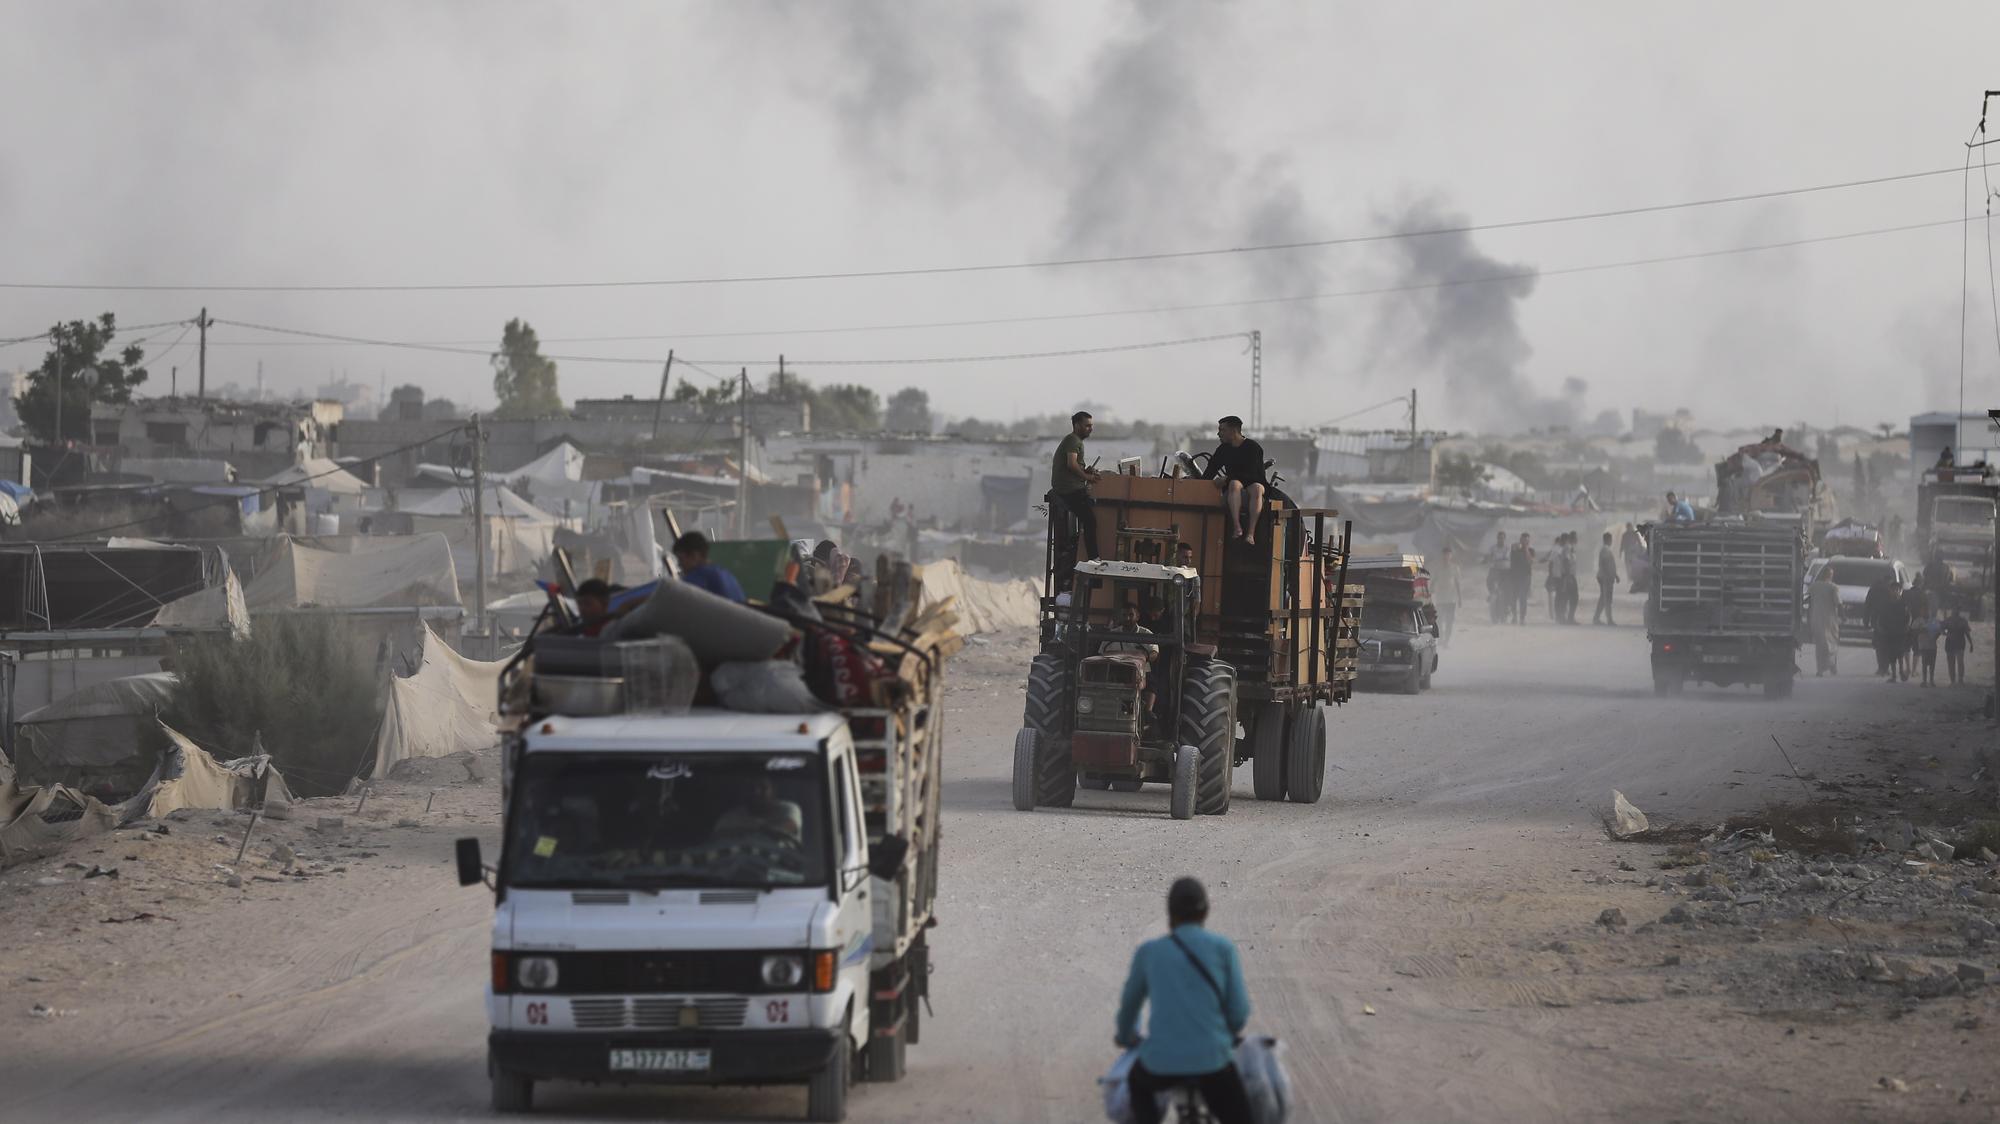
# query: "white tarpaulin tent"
318, 472
981, 605
403, 571
189, 778
215, 608
564, 462
450, 705
499, 500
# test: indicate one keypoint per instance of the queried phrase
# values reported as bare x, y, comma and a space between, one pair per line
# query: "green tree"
909, 411
76, 356
846, 407
1674, 446
523, 378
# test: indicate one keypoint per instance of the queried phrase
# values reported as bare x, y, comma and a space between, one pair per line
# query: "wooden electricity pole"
201, 362
743, 458
479, 531
665, 374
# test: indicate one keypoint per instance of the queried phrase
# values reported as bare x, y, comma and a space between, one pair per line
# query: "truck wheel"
1046, 714
1267, 750
1778, 687
1667, 682
826, 1092
1305, 757
1093, 782
1413, 682
1425, 683
887, 1053
1208, 722
1125, 785
1024, 770
1187, 768
512, 1092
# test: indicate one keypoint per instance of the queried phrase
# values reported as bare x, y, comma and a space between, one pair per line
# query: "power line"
124, 331
990, 267
454, 346
931, 360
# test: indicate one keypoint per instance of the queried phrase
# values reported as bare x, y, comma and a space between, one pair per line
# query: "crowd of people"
1907, 630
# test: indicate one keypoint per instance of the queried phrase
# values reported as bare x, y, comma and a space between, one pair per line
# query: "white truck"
712, 897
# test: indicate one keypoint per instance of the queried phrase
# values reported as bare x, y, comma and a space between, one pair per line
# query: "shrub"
297, 682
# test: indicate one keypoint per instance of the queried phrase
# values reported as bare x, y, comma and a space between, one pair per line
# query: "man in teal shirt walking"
1194, 981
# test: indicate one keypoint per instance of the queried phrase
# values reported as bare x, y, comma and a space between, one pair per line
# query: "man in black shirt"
1242, 461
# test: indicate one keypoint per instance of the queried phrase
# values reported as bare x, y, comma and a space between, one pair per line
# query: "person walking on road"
1070, 479
1499, 581
1193, 980
1824, 623
1571, 597
1916, 610
1957, 642
1882, 608
1447, 594
1929, 631
1607, 582
1521, 576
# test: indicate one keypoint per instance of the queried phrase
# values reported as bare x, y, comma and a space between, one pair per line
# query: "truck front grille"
716, 1012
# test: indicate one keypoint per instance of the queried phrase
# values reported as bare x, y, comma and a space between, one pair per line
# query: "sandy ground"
1425, 939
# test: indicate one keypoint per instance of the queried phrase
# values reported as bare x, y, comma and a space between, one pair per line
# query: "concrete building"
257, 438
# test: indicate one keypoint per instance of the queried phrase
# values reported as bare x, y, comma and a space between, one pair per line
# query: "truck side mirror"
470, 870
886, 858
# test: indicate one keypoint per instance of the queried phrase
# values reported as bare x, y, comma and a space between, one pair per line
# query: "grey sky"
288, 143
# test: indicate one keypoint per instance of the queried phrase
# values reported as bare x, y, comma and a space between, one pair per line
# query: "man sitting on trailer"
1243, 461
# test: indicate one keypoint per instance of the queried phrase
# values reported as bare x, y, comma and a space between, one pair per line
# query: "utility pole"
201, 368
174, 383
743, 461
1257, 380
665, 374
57, 340
479, 532
1413, 433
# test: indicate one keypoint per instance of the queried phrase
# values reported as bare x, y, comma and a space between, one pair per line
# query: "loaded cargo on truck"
1260, 637
700, 895
1955, 535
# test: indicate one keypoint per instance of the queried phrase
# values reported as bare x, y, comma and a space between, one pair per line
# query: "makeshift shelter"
451, 704
319, 473
37, 820
188, 777
981, 605
103, 737
213, 609
407, 572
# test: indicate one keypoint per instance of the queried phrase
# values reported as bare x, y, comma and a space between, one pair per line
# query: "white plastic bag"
1260, 1062
1118, 1090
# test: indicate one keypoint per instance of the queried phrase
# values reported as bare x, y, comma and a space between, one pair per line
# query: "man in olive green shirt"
1070, 480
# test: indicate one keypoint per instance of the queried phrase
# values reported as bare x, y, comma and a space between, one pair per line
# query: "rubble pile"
1900, 907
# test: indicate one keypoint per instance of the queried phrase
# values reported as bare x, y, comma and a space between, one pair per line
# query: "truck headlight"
785, 971
535, 973
1084, 705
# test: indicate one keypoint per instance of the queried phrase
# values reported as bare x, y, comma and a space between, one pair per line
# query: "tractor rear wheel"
1047, 713
1267, 751
1305, 757
1208, 723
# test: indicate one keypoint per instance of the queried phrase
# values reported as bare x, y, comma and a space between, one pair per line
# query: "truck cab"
1399, 626
682, 899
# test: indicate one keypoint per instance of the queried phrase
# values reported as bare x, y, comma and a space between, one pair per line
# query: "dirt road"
1425, 938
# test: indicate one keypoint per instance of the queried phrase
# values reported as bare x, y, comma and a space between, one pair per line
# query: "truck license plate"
1721, 659
679, 1061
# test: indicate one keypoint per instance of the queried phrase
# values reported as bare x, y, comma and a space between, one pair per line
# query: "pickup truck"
711, 897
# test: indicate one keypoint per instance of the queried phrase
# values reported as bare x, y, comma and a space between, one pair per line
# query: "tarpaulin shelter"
37, 820
188, 777
320, 473
52, 587
981, 605
105, 734
214, 609
451, 704
413, 571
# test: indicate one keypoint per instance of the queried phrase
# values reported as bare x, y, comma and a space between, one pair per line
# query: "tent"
188, 777
408, 571
212, 609
564, 462
981, 605
321, 473
105, 734
35, 821
450, 705
498, 500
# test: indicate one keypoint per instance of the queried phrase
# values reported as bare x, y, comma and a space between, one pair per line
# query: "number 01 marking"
778, 1011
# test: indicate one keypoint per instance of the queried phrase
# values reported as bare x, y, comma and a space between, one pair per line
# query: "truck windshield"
664, 820
1962, 510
